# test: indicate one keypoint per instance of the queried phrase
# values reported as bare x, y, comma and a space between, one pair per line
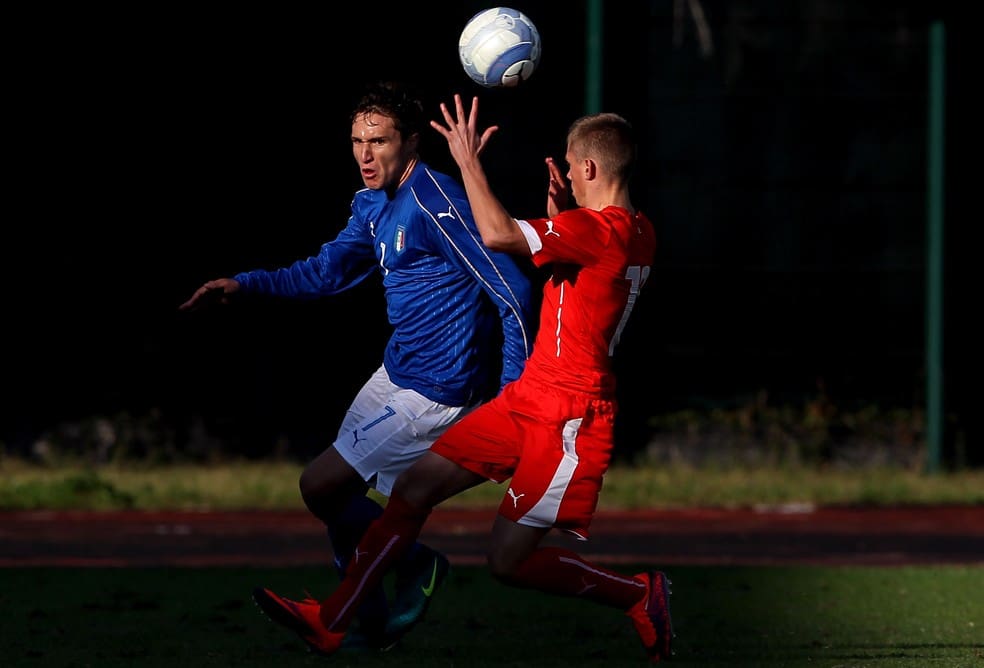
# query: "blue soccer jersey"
446, 293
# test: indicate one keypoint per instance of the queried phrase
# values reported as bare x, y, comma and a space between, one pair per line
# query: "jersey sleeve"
576, 236
340, 264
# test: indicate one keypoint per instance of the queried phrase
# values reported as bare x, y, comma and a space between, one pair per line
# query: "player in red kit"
550, 432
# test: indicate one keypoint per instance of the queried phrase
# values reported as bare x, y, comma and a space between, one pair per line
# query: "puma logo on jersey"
550, 230
514, 497
446, 215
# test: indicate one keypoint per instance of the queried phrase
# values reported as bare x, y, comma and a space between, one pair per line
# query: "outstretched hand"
461, 131
558, 194
211, 292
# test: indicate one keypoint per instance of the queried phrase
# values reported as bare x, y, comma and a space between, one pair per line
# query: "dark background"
785, 171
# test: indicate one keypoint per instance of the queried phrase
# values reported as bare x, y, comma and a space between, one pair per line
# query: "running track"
796, 535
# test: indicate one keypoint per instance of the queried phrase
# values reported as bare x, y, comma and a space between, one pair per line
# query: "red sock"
382, 545
564, 573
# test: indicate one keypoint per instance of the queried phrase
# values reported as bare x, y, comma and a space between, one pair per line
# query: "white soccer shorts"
387, 428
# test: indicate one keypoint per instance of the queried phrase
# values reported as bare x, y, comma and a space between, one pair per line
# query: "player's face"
380, 152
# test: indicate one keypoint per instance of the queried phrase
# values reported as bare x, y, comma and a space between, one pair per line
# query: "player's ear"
413, 141
590, 169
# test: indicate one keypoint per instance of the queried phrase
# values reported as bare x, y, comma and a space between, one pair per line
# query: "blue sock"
349, 529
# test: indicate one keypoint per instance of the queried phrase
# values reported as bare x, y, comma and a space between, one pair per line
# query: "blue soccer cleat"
415, 588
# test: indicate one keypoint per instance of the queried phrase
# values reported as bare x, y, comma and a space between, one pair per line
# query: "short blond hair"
606, 138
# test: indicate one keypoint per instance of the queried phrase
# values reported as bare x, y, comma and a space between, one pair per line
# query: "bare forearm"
499, 230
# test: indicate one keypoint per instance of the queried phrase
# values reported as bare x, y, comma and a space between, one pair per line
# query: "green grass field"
843, 617
723, 616
272, 485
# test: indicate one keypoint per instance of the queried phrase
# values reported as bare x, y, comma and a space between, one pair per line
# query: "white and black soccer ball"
499, 47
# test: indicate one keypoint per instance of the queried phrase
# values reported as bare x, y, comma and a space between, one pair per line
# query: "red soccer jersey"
600, 260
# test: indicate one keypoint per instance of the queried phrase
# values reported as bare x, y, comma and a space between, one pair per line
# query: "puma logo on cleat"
587, 586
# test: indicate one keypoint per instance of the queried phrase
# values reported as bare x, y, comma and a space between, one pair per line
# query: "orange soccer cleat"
301, 617
651, 616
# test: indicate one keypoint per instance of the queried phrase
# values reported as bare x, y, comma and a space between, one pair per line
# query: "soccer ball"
499, 47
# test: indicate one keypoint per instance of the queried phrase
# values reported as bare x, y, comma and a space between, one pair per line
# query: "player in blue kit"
450, 300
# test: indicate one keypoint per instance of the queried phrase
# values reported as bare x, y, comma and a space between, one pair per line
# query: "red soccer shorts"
554, 444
